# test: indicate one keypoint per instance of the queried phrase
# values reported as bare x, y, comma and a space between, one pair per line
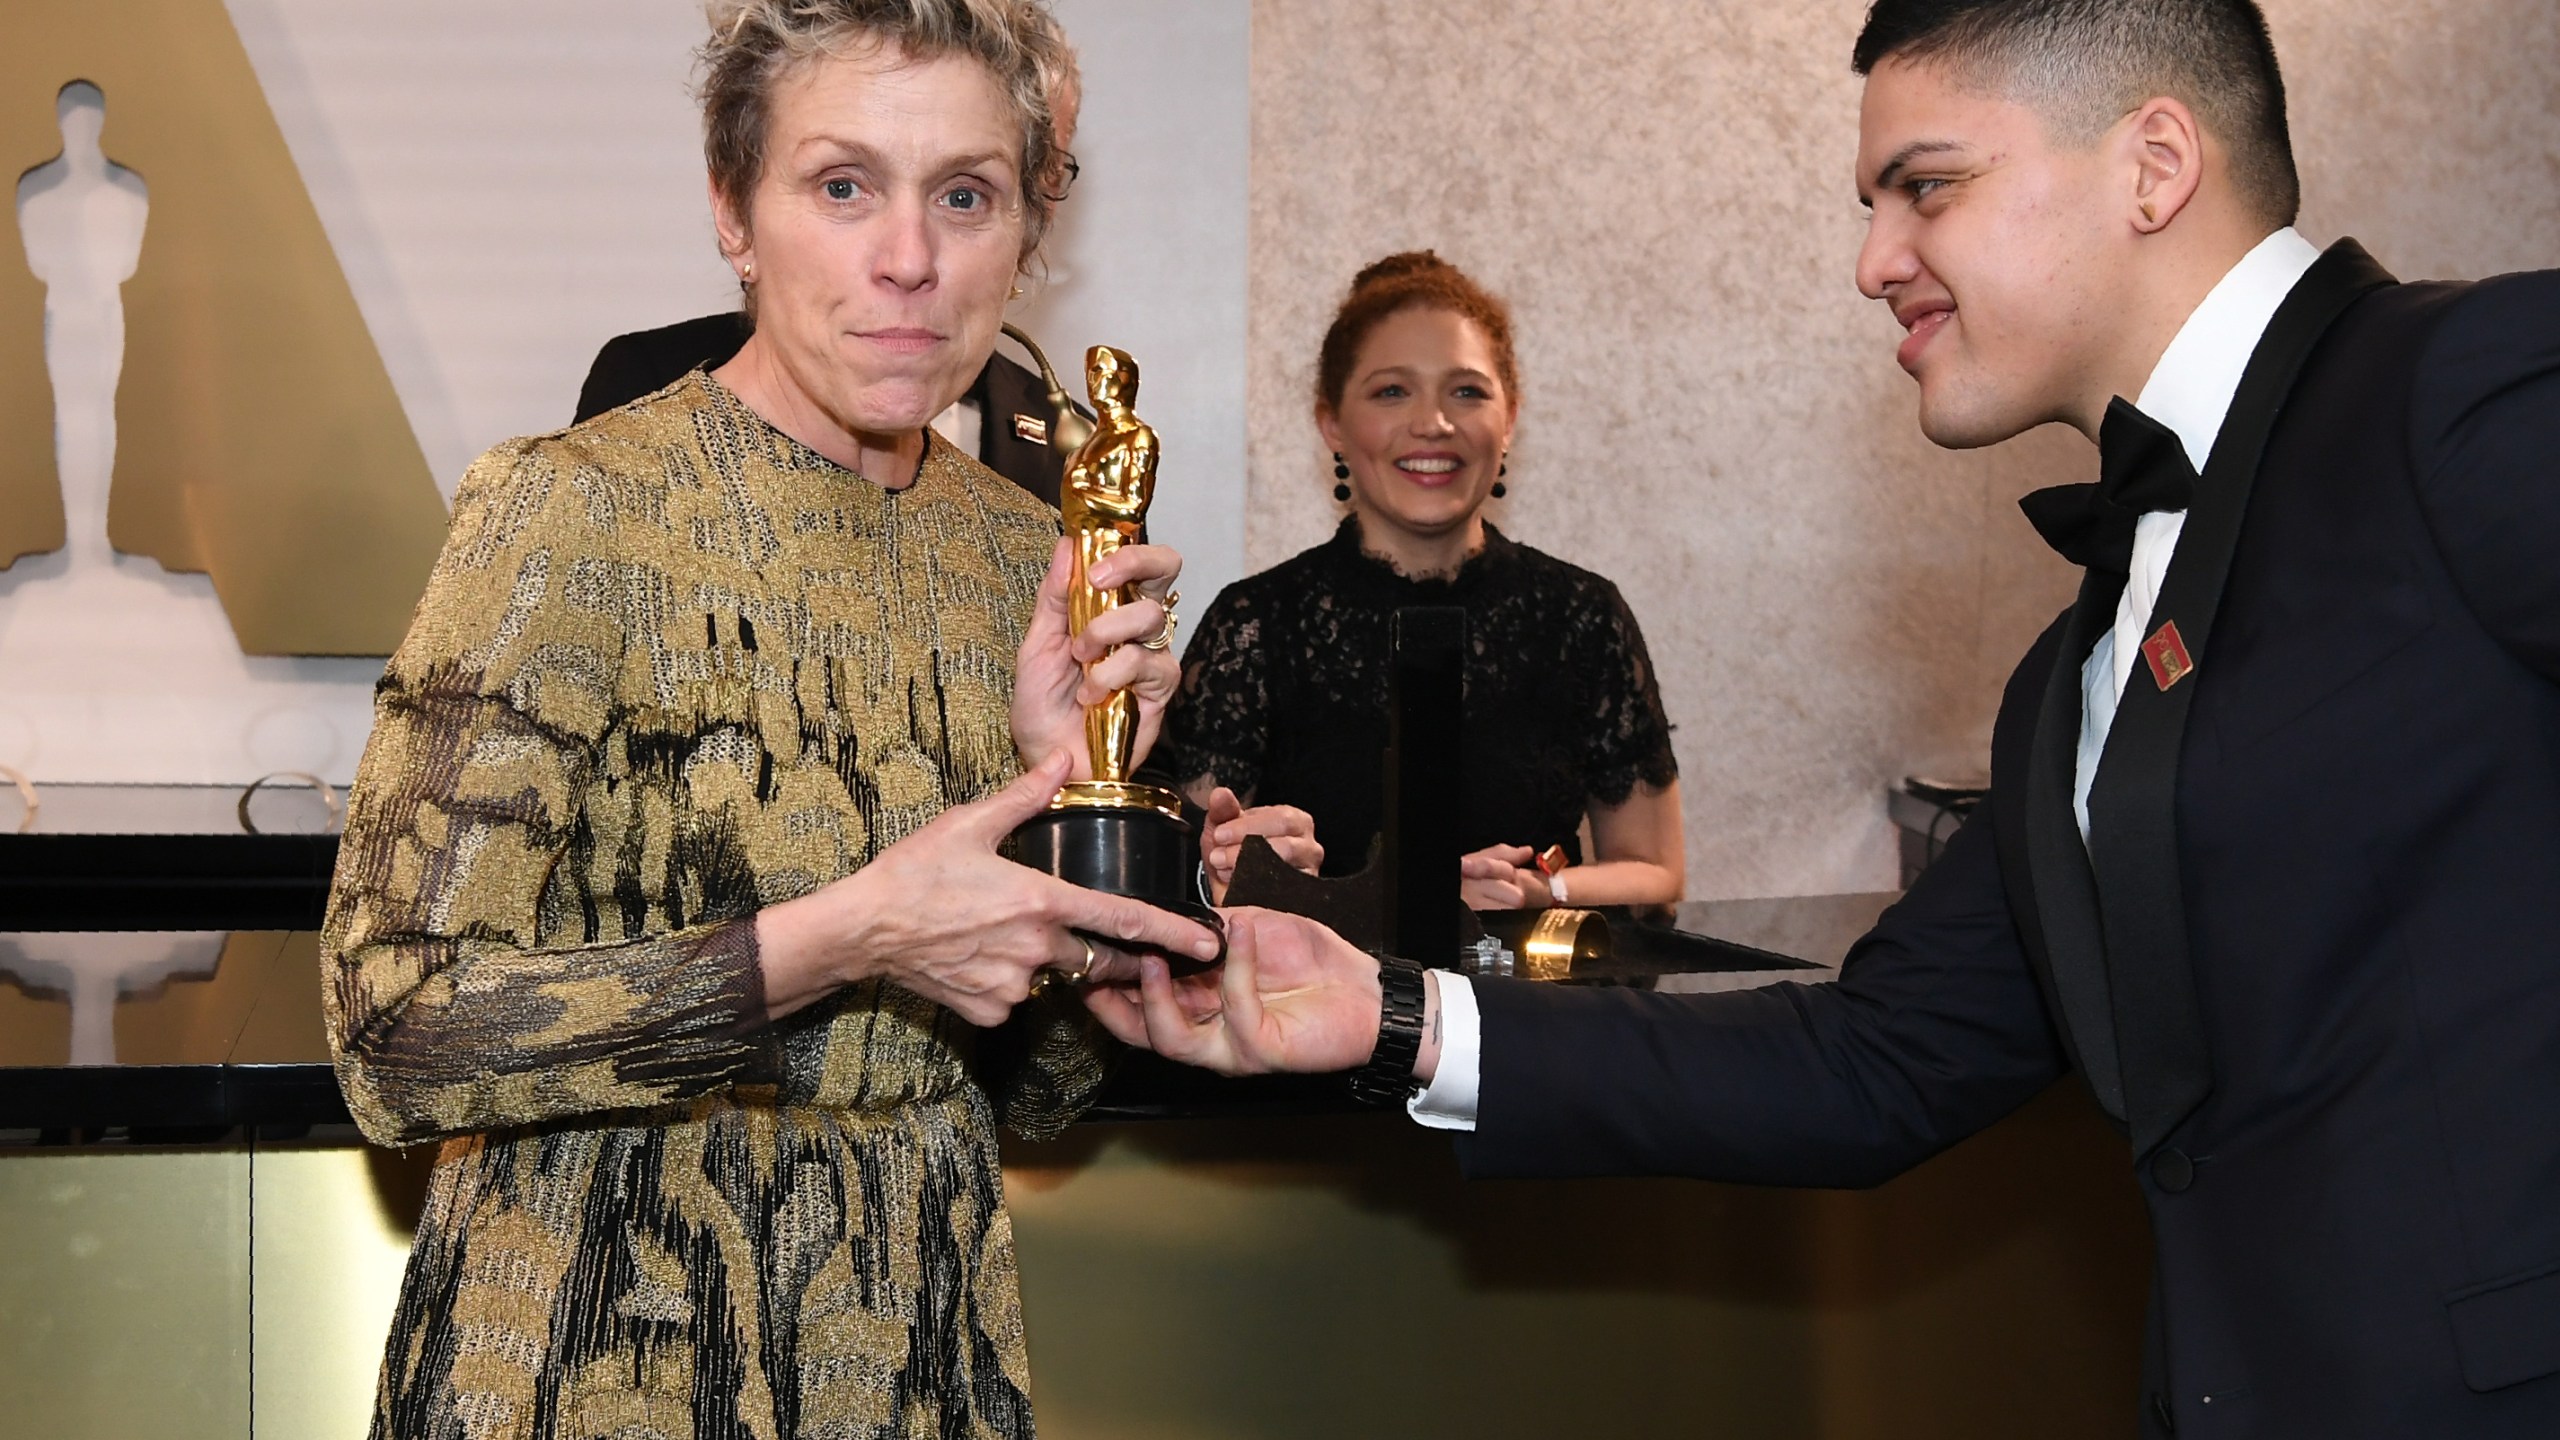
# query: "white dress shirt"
2190, 392
960, 425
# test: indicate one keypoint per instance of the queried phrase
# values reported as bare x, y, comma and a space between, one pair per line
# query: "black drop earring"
1500, 489
1341, 472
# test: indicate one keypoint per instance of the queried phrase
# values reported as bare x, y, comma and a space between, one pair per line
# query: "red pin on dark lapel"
2167, 652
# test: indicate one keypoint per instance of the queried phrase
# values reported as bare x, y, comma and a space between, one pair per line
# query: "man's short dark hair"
2085, 64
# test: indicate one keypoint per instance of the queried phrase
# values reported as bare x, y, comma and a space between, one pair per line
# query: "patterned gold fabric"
672, 666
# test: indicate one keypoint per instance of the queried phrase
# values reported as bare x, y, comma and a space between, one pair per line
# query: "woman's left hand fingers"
1273, 821
1222, 806
1302, 853
1290, 830
1124, 625
1151, 675
1049, 608
1297, 852
1152, 568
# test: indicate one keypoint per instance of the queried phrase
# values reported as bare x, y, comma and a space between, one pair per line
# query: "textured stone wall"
1712, 415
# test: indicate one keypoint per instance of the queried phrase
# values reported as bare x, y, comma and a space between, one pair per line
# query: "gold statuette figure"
1113, 833
1102, 499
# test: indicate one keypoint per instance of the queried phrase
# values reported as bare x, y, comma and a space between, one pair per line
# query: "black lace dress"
1284, 694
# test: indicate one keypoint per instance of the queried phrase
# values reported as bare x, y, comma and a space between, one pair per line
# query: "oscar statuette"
1112, 833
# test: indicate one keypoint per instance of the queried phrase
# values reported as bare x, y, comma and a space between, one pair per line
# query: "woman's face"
885, 233
1424, 423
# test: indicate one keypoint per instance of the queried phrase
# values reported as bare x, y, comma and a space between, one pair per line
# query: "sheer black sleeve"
1626, 737
1218, 724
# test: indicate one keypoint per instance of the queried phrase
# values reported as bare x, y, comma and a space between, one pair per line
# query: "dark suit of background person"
646, 361
2329, 876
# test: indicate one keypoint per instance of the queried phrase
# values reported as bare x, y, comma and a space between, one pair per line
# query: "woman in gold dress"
669, 897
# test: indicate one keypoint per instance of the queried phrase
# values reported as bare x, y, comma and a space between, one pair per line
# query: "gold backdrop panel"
258, 438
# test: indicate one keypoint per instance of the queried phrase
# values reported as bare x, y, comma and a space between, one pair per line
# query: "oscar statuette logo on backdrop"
211, 501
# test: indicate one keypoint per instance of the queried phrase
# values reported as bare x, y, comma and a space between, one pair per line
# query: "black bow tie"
2142, 469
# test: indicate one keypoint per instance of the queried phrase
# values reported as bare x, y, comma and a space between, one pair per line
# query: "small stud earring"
1016, 295
747, 273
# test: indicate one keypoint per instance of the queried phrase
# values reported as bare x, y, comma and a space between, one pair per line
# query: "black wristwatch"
1388, 1077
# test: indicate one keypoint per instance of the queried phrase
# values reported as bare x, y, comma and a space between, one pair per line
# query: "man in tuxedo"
1004, 420
2272, 853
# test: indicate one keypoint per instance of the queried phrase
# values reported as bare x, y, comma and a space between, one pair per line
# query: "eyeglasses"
1068, 170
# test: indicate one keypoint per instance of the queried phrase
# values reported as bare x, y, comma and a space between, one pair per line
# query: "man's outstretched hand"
1292, 995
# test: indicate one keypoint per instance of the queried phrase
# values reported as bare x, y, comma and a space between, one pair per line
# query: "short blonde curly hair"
755, 44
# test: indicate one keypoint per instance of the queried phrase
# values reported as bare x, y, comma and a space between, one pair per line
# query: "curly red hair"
1409, 280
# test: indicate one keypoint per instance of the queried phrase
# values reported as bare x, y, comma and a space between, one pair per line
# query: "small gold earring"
2147, 216
747, 273
1016, 295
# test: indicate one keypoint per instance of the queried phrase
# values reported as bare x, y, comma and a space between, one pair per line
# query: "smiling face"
884, 235
1423, 423
2000, 252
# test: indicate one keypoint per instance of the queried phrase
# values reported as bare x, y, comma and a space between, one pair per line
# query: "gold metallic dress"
672, 667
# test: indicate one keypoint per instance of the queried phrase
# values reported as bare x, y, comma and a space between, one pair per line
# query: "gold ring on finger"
1163, 638
1086, 972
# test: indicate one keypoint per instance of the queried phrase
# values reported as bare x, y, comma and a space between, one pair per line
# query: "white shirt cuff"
1449, 1101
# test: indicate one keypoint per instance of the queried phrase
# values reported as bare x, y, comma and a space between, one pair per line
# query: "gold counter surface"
1225, 1279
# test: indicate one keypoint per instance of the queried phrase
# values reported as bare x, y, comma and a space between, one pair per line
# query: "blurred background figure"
1283, 699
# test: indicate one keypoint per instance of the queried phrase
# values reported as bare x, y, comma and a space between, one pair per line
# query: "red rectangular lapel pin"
2167, 652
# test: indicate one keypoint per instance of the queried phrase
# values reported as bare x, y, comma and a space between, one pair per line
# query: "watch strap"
1388, 1077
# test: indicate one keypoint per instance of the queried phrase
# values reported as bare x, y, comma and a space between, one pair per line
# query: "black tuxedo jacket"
647, 361
2314, 968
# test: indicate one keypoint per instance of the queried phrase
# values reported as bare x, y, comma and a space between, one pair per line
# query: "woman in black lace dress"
1283, 699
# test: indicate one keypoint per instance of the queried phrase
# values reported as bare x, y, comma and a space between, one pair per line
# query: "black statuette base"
1140, 853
